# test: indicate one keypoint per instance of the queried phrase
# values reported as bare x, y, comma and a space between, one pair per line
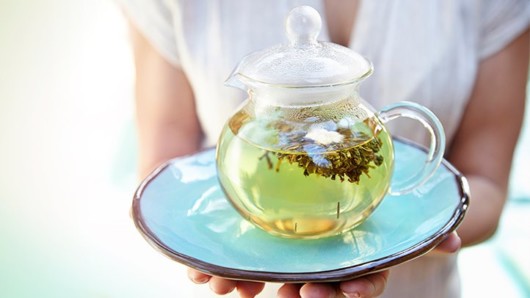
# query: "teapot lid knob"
303, 25
303, 61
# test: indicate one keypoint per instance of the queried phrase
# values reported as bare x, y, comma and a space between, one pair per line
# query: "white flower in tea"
324, 136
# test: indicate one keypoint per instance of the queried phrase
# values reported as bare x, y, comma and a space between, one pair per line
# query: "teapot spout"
236, 80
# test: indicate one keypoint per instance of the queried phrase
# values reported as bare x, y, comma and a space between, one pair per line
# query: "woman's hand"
367, 286
451, 244
222, 286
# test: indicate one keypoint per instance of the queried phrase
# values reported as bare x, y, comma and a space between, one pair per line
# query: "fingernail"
352, 295
201, 280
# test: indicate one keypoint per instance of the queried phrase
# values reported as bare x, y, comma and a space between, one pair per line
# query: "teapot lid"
304, 61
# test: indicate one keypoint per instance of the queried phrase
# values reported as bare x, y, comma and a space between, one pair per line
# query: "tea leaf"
353, 157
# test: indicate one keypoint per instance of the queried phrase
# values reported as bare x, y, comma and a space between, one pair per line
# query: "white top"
424, 51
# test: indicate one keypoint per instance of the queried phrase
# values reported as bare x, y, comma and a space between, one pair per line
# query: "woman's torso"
422, 51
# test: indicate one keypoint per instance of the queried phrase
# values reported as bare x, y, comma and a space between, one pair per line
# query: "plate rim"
332, 275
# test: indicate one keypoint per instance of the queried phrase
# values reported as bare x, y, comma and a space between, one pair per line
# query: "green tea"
298, 185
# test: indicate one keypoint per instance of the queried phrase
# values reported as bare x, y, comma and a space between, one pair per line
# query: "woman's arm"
165, 108
484, 144
168, 127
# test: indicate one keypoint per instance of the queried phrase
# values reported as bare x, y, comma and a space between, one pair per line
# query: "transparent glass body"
305, 171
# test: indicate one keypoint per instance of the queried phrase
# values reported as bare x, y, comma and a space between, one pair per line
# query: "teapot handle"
437, 146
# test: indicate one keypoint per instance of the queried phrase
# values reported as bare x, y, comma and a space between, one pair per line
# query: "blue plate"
182, 211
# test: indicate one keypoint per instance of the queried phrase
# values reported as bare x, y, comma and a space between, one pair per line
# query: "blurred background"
68, 166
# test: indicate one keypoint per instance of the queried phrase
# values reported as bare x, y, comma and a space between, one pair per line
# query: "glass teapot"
305, 156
